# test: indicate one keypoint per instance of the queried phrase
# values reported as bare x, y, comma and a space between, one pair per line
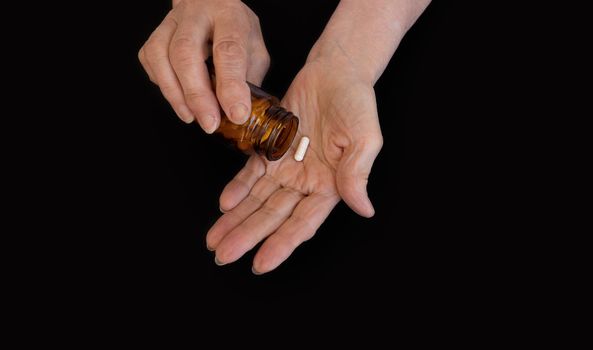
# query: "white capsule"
302, 149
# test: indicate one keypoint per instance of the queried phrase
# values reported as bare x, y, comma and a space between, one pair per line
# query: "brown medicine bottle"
269, 130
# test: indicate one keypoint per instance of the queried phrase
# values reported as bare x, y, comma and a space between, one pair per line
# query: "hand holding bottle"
175, 53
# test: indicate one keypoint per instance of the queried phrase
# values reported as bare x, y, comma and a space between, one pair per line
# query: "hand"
175, 53
285, 202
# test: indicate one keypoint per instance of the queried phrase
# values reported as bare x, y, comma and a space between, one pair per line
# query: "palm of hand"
286, 201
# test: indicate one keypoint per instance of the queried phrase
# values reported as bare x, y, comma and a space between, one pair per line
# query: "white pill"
302, 149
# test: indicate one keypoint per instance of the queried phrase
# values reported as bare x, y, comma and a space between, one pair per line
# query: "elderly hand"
285, 202
175, 53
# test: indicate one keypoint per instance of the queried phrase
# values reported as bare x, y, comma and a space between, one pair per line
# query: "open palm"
285, 202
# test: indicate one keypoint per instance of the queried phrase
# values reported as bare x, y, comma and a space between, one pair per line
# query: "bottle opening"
281, 128
283, 139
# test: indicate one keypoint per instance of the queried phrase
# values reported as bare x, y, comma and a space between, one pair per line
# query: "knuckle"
251, 14
195, 95
374, 143
232, 88
182, 52
149, 47
236, 9
180, 6
269, 210
310, 233
171, 15
285, 245
274, 201
229, 48
240, 182
181, 43
279, 198
141, 57
266, 58
306, 234
254, 199
181, 46
181, 59
298, 239
378, 142
151, 50
231, 84
262, 58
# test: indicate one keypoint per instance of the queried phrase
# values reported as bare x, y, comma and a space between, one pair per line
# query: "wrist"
365, 34
336, 54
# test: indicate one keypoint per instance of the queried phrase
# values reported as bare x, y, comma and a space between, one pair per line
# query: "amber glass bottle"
269, 130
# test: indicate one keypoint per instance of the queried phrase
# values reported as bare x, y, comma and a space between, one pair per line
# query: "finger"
258, 67
309, 214
258, 226
353, 173
145, 65
260, 58
238, 188
229, 49
188, 52
260, 192
157, 58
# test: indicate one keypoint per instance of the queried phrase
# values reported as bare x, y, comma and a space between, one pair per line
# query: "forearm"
365, 34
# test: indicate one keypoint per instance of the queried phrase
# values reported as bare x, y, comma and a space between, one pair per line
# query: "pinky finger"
157, 57
145, 65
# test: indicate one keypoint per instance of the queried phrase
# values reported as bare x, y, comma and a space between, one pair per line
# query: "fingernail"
239, 113
185, 114
222, 211
210, 124
217, 262
254, 271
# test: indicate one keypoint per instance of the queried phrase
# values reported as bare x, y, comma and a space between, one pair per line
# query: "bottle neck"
277, 133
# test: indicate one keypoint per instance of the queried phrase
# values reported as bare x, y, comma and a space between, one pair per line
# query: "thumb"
353, 173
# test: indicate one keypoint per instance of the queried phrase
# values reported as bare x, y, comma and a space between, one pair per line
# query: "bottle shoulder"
258, 94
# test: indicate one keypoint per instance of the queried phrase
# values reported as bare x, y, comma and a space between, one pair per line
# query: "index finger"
229, 50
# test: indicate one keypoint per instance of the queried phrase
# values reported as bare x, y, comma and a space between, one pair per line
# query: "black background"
124, 192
